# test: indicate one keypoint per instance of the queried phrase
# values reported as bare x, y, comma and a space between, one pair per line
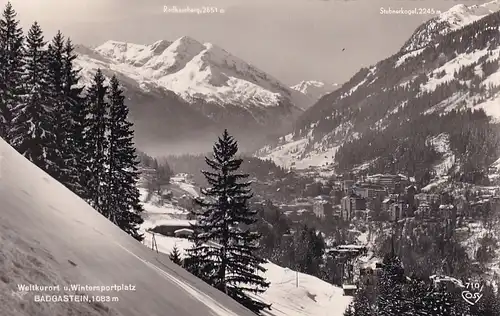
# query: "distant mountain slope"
50, 237
202, 86
456, 18
314, 89
388, 113
194, 70
159, 116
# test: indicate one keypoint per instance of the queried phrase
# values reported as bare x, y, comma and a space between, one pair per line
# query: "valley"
215, 187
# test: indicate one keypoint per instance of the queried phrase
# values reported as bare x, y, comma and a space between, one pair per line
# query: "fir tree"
309, 250
11, 69
124, 206
441, 302
361, 304
175, 256
79, 112
96, 140
391, 300
33, 132
195, 262
224, 219
61, 114
488, 304
418, 300
160, 177
349, 310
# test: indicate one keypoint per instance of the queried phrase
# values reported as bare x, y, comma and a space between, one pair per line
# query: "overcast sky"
292, 40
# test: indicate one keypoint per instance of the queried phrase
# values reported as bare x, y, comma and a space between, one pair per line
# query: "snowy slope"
489, 105
182, 181
51, 237
196, 71
455, 18
461, 15
312, 297
293, 154
314, 89
442, 145
305, 152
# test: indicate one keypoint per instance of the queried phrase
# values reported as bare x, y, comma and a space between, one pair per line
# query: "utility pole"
394, 228
294, 262
154, 245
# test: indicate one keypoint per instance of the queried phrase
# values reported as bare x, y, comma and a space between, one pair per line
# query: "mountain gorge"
183, 90
444, 83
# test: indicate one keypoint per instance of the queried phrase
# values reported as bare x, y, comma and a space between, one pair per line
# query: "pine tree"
195, 262
309, 250
61, 114
361, 304
11, 69
418, 300
124, 206
33, 132
175, 256
391, 300
159, 178
440, 302
224, 219
350, 310
77, 107
488, 304
96, 140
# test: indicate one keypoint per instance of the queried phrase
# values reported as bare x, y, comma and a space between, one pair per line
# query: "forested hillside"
385, 117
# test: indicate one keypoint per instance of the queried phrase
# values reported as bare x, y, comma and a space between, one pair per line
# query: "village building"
369, 190
398, 210
393, 183
346, 186
322, 208
183, 233
350, 204
423, 210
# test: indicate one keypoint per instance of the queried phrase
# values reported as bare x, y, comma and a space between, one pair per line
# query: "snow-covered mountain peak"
214, 83
224, 62
197, 71
304, 84
461, 15
314, 89
173, 58
128, 53
82, 50
159, 46
455, 18
116, 48
185, 45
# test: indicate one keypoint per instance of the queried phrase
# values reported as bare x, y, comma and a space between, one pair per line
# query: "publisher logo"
473, 293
